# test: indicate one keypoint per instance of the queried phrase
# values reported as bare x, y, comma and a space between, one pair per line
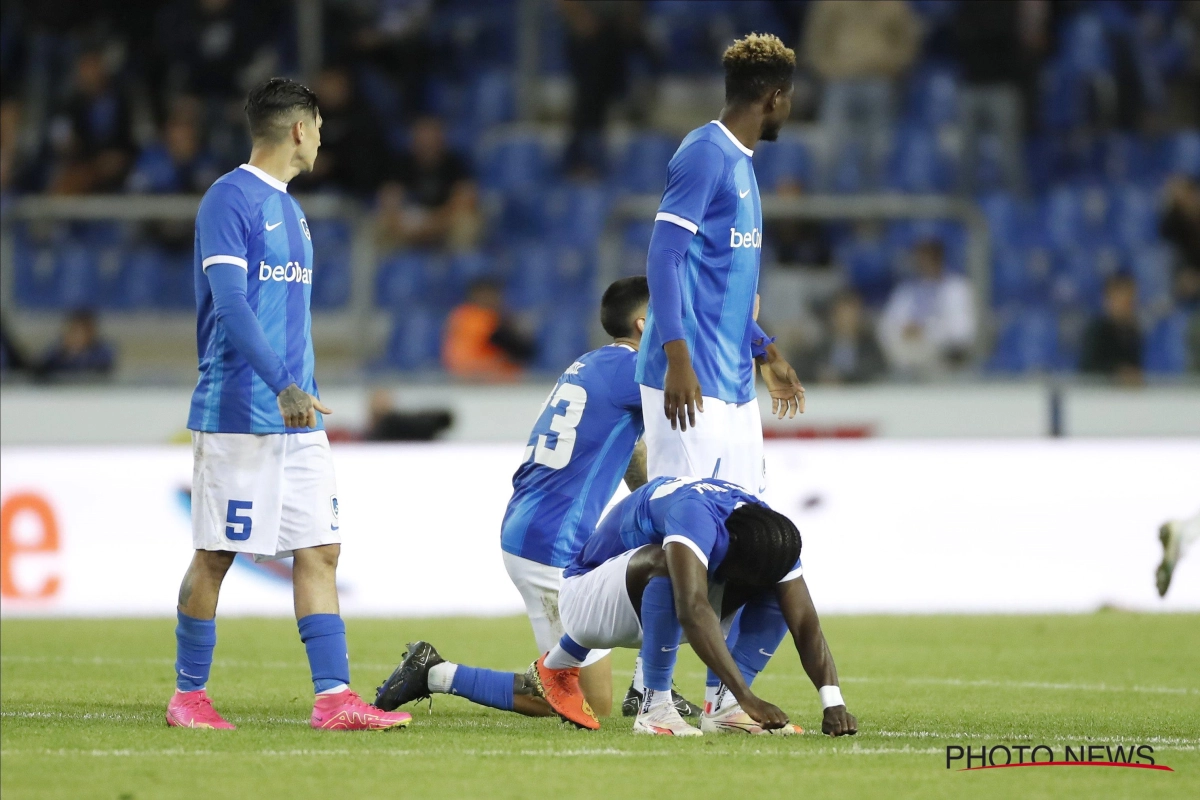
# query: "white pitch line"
1005, 684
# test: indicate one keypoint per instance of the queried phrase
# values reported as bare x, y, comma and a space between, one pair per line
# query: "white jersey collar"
733, 138
274, 183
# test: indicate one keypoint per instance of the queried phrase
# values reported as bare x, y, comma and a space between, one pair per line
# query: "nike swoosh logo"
743, 194
277, 224
765, 653
669, 649
334, 528
193, 677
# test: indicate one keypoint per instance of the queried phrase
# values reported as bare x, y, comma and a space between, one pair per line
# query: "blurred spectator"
434, 201
999, 44
12, 354
1180, 224
481, 342
393, 37
10, 131
601, 34
178, 162
91, 134
386, 423
79, 351
209, 44
1112, 342
849, 352
859, 48
353, 150
928, 324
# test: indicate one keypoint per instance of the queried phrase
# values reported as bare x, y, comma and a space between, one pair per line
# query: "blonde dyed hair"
755, 64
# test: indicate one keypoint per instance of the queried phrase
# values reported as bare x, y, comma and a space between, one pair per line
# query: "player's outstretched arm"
636, 474
787, 394
801, 616
689, 584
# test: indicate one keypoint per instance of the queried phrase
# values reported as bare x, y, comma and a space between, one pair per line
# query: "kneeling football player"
684, 556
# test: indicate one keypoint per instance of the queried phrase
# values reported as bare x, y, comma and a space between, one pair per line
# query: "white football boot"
662, 720
732, 719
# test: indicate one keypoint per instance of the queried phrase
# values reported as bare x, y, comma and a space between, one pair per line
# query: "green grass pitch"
82, 706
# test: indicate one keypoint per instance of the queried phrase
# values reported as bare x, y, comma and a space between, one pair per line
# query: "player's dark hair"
621, 301
272, 106
757, 64
763, 546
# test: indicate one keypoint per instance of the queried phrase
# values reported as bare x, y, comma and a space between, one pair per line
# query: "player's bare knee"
214, 562
323, 558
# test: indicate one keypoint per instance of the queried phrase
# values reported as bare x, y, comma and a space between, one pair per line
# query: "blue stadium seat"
491, 99
644, 167
1080, 273
1134, 216
176, 281
1076, 215
933, 98
576, 214
918, 164
1084, 47
1151, 269
1021, 276
517, 163
1064, 102
849, 172
1123, 158
563, 338
1166, 349
868, 269
331, 264
1028, 342
466, 268
1182, 153
141, 268
783, 161
35, 284
416, 339
404, 279
531, 283
78, 276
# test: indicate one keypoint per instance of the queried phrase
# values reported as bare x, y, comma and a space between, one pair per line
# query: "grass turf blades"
82, 701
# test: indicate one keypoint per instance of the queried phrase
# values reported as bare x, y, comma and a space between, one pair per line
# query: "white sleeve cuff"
678, 220
237, 261
695, 548
791, 576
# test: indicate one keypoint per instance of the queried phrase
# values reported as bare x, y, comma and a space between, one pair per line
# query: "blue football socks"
762, 629
324, 637
661, 633
194, 643
484, 686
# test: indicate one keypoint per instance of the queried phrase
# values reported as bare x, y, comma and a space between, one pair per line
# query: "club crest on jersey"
291, 273
333, 506
752, 238
304, 227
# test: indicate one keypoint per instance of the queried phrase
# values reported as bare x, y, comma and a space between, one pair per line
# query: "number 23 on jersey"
570, 399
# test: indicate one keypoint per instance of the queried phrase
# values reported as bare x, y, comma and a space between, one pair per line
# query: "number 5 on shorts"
237, 521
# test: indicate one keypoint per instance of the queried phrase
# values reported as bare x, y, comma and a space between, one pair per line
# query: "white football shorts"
264, 494
539, 586
726, 443
595, 607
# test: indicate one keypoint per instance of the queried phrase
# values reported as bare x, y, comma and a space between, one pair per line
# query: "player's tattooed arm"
299, 408
635, 474
805, 627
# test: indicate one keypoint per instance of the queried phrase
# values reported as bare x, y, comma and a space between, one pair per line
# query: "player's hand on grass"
787, 395
765, 714
299, 408
839, 722
681, 387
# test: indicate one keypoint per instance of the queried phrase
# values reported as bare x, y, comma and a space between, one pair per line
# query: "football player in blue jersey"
702, 340
263, 478
585, 440
684, 556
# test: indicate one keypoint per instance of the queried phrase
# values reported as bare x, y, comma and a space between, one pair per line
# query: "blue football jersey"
576, 457
691, 511
248, 219
712, 192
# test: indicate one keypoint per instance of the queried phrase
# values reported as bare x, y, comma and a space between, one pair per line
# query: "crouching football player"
585, 440
682, 556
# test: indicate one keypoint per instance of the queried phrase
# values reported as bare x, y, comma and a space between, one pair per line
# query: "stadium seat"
176, 281
576, 214
1134, 216
516, 163
416, 339
868, 267
331, 263
141, 267
404, 279
1182, 154
491, 99
1151, 269
1079, 275
783, 161
465, 268
563, 338
77, 275
1166, 348
34, 284
531, 283
849, 170
1028, 342
1123, 158
1021, 276
1075, 214
644, 166
933, 98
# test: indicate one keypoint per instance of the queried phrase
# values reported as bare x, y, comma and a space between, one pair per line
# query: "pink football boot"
194, 710
346, 711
